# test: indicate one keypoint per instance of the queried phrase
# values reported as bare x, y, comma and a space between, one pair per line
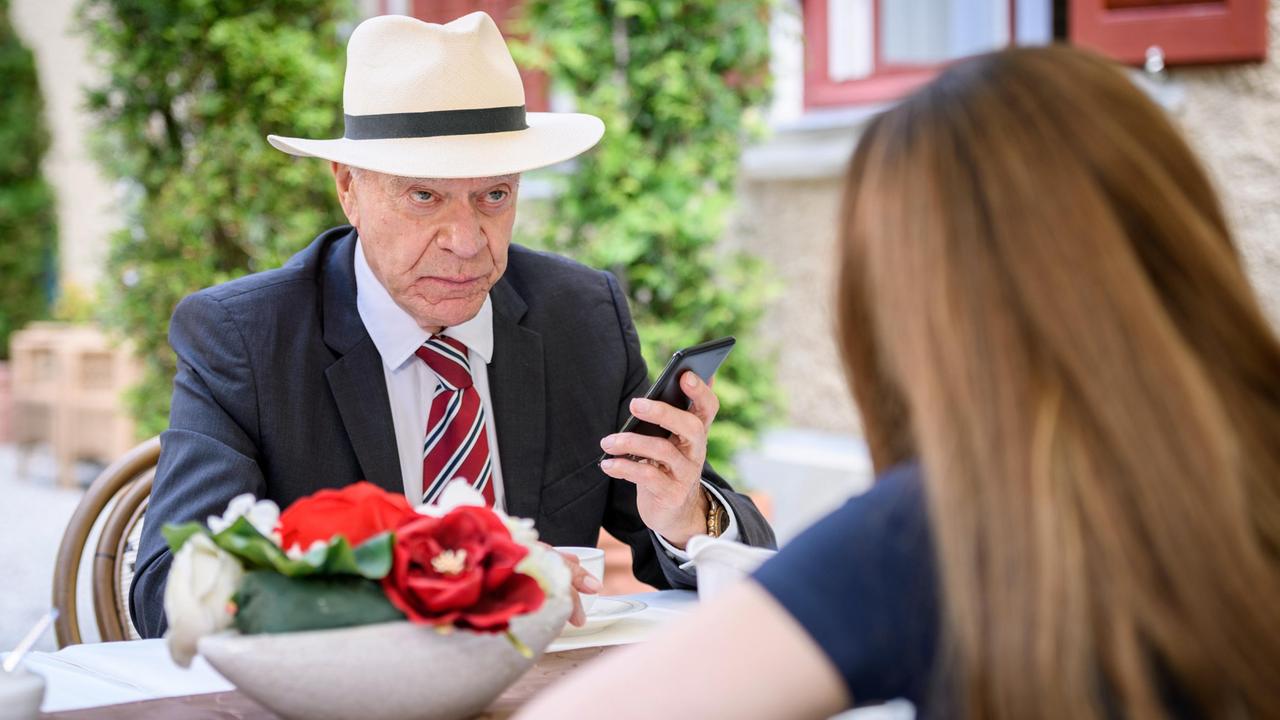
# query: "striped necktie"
457, 442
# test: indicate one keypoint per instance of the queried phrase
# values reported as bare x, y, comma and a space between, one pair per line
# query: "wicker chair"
127, 482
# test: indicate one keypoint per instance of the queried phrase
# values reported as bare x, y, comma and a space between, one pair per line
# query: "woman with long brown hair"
1073, 401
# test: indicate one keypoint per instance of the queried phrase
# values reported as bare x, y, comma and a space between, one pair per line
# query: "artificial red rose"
357, 512
460, 569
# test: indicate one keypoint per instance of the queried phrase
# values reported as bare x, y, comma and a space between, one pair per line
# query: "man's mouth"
457, 281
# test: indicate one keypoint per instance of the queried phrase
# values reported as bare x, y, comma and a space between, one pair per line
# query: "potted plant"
351, 603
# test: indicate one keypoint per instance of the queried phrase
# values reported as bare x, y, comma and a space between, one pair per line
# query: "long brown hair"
1039, 298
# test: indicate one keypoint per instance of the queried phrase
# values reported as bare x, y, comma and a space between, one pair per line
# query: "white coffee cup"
592, 560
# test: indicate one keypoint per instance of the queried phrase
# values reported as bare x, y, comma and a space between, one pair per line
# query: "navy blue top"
862, 583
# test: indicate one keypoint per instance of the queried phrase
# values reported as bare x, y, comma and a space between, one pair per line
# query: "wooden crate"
68, 382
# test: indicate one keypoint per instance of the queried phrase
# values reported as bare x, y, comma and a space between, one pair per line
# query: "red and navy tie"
457, 443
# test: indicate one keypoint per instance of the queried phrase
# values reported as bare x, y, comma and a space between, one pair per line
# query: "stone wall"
1231, 115
791, 225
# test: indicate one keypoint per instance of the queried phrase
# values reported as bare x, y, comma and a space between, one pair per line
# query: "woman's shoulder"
895, 502
862, 583
888, 524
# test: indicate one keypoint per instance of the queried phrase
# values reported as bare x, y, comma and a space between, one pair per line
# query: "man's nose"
459, 231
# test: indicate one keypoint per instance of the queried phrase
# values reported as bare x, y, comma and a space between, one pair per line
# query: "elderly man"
417, 345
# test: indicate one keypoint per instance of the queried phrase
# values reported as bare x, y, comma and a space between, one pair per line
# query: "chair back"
124, 488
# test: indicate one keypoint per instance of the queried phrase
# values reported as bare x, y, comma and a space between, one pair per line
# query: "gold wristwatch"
717, 515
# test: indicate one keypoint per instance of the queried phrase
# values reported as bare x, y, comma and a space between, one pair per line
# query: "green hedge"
28, 230
193, 88
675, 82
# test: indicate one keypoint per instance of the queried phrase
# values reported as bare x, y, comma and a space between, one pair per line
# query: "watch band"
717, 515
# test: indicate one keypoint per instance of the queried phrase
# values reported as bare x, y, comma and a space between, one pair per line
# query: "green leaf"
677, 83
268, 602
177, 534
373, 556
188, 90
28, 223
372, 559
243, 540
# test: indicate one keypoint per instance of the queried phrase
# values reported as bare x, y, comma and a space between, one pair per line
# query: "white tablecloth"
99, 674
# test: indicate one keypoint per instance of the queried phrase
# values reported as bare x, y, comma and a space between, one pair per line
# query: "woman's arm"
740, 656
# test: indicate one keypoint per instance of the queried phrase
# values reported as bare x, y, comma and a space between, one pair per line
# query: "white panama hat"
441, 101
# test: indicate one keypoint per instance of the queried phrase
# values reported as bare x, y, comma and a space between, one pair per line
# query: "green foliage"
28, 231
674, 81
370, 559
193, 88
271, 603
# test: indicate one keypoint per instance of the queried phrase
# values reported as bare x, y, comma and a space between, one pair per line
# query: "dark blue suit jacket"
280, 392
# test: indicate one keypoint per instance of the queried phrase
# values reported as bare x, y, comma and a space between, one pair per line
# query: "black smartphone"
702, 359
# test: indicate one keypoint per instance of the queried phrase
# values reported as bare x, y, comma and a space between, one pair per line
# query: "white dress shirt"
411, 384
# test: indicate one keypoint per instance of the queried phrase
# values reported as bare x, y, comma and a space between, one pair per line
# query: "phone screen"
703, 360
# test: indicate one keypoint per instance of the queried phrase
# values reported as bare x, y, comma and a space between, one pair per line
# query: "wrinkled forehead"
397, 182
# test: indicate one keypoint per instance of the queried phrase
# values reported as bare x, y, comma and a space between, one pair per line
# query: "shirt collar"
397, 335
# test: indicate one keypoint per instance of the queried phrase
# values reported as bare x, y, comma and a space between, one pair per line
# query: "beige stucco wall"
86, 200
1231, 115
1232, 118
791, 225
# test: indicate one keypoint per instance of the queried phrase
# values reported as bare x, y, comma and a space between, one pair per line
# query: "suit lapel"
360, 390
355, 378
517, 387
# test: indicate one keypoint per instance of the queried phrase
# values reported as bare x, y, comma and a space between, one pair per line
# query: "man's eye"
497, 196
421, 195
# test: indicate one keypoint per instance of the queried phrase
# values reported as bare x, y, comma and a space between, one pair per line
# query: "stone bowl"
388, 671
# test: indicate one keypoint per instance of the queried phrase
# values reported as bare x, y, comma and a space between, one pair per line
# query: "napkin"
722, 563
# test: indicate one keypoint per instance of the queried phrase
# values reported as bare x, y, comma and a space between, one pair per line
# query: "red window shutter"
536, 90
820, 90
1186, 31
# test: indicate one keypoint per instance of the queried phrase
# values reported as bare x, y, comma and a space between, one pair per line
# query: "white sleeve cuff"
730, 532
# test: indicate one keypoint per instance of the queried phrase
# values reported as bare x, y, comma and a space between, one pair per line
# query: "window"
867, 51
1185, 31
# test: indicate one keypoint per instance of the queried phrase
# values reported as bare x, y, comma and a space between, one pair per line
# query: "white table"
98, 674
93, 675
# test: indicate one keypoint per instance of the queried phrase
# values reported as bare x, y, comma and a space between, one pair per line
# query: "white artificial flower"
546, 566
197, 597
296, 552
262, 515
457, 493
521, 529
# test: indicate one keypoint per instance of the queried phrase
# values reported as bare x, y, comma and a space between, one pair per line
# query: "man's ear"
344, 181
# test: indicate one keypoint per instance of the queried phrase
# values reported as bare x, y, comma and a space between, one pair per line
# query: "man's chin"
447, 312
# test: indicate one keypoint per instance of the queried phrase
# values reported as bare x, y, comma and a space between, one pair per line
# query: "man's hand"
668, 476
583, 582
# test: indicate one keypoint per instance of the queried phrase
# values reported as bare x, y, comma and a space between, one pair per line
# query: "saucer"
605, 612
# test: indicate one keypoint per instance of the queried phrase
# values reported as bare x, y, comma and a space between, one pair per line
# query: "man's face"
436, 245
